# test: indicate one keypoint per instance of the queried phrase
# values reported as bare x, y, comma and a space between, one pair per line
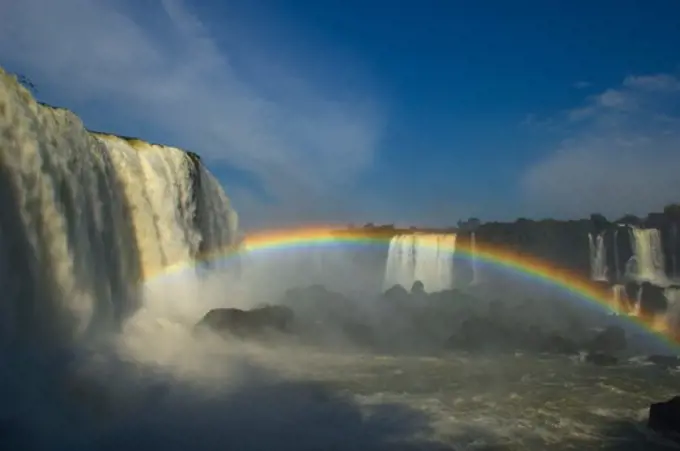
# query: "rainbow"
539, 270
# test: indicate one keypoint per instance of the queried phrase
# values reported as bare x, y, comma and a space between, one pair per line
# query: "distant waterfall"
619, 297
86, 217
674, 252
424, 257
615, 246
647, 262
673, 311
475, 269
598, 257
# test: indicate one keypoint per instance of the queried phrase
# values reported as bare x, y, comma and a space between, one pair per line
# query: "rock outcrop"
255, 323
664, 417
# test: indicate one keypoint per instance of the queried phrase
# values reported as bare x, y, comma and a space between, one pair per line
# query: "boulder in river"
664, 417
248, 323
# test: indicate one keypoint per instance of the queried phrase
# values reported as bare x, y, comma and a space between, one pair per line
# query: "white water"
617, 263
647, 262
598, 257
475, 268
424, 257
619, 297
85, 218
674, 256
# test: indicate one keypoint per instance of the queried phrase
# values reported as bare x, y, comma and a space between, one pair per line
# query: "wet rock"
601, 359
14, 435
248, 323
418, 288
557, 344
664, 417
478, 332
610, 340
652, 300
397, 294
666, 361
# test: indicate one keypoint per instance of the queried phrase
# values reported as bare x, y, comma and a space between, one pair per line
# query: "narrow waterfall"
424, 257
647, 263
673, 311
475, 268
674, 252
619, 298
617, 264
88, 216
598, 257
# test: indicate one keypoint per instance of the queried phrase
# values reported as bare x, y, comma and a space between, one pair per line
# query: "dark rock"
610, 340
418, 288
248, 323
14, 435
397, 294
652, 300
666, 361
477, 333
601, 359
557, 344
664, 417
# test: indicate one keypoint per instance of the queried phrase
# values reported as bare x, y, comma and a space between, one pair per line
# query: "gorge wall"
624, 254
87, 216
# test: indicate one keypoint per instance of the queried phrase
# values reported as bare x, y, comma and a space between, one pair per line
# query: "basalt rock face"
627, 249
564, 243
664, 417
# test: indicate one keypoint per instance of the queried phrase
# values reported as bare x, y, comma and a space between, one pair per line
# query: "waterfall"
647, 262
475, 269
598, 257
673, 311
619, 298
424, 257
674, 252
617, 265
87, 216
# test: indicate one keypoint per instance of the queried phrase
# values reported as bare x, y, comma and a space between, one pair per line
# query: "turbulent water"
92, 360
424, 257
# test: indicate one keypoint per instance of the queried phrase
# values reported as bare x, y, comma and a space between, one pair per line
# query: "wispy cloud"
622, 154
300, 139
582, 84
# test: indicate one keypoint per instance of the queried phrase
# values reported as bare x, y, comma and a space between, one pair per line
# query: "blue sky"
411, 112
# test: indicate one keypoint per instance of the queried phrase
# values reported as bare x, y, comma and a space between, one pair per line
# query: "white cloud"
165, 68
622, 155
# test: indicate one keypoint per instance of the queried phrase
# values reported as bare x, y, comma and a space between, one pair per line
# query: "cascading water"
647, 262
674, 252
598, 257
619, 297
615, 246
86, 217
424, 257
672, 316
475, 268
